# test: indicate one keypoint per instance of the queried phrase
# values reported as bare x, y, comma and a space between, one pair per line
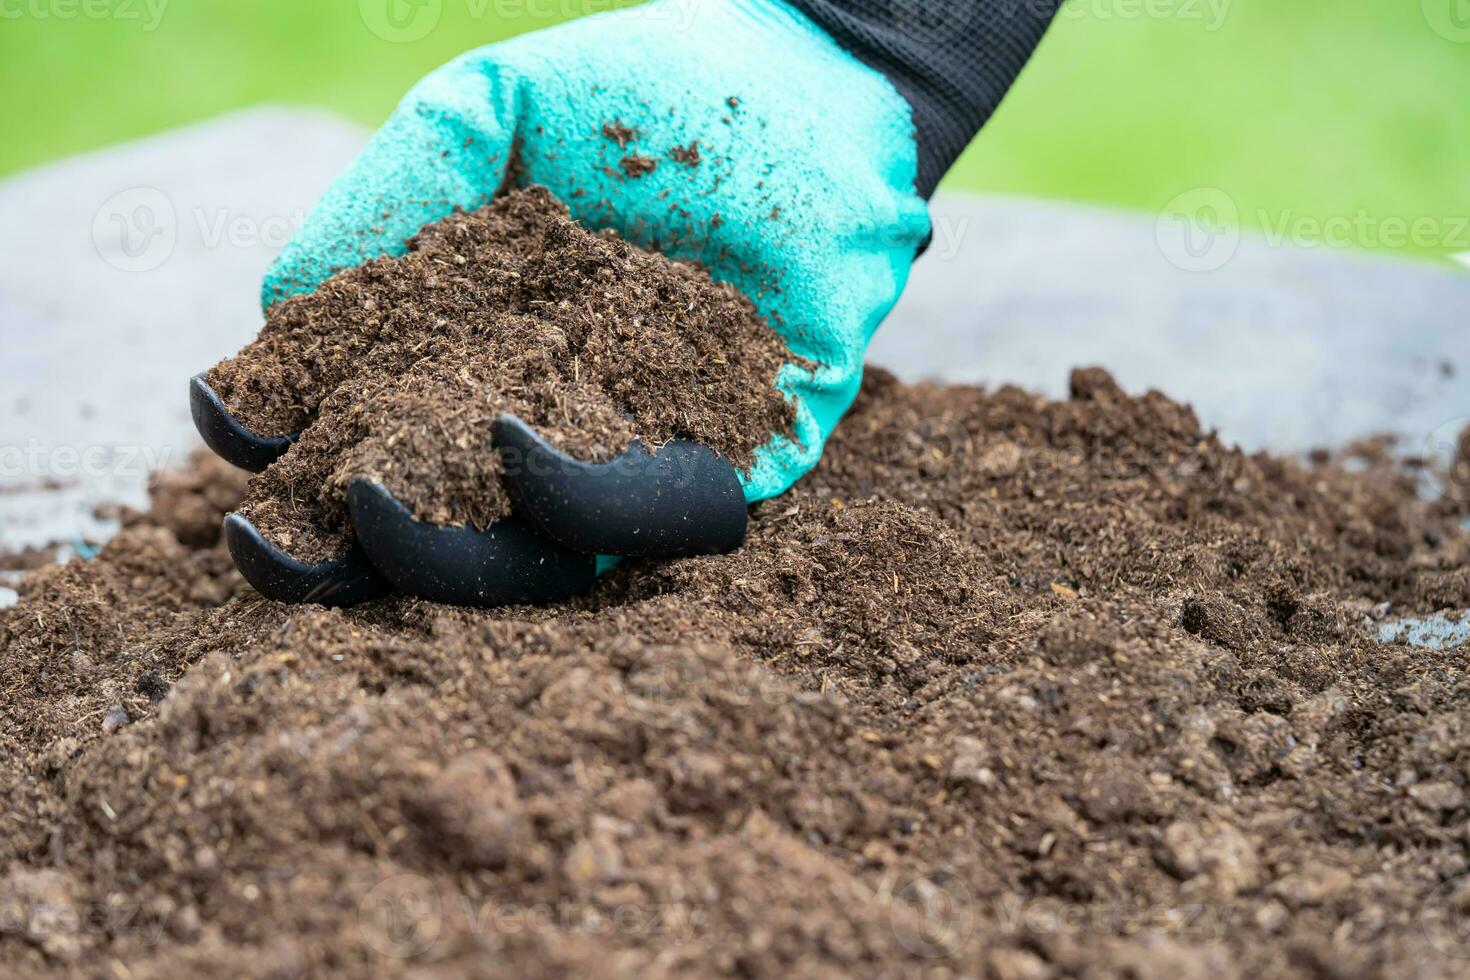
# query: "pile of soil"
1006, 687
396, 369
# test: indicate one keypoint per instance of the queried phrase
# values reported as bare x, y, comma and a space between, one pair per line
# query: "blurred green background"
1352, 111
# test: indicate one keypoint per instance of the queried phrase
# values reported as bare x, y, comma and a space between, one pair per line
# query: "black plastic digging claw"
343, 581
681, 499
506, 564
223, 433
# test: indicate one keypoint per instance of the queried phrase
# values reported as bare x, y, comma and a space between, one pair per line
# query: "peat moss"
397, 368
1006, 687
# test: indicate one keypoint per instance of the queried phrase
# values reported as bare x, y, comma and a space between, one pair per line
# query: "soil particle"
635, 166
397, 369
873, 741
687, 156
619, 134
1216, 854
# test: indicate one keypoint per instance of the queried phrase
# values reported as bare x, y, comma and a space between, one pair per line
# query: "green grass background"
1315, 109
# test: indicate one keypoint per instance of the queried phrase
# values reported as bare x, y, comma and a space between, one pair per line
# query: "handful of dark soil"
396, 369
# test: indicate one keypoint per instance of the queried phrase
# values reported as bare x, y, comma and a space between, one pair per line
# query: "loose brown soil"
397, 369
688, 156
1006, 688
635, 166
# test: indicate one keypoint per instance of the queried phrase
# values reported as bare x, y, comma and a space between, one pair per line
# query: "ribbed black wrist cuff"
953, 60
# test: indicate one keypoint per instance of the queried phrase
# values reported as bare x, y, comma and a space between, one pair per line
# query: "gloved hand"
806, 195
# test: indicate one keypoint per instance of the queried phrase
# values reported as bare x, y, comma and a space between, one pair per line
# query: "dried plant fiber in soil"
397, 368
1006, 688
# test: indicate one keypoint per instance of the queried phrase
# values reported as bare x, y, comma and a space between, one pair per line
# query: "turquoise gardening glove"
805, 201
810, 200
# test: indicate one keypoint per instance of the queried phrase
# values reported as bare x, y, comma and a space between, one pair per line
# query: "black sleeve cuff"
953, 60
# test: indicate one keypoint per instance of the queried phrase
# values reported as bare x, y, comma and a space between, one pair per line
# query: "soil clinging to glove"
397, 369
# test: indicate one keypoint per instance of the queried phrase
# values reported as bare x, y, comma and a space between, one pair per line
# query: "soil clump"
396, 369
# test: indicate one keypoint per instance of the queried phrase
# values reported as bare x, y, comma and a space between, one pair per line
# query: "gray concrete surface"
125, 271
1438, 632
1279, 347
121, 274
